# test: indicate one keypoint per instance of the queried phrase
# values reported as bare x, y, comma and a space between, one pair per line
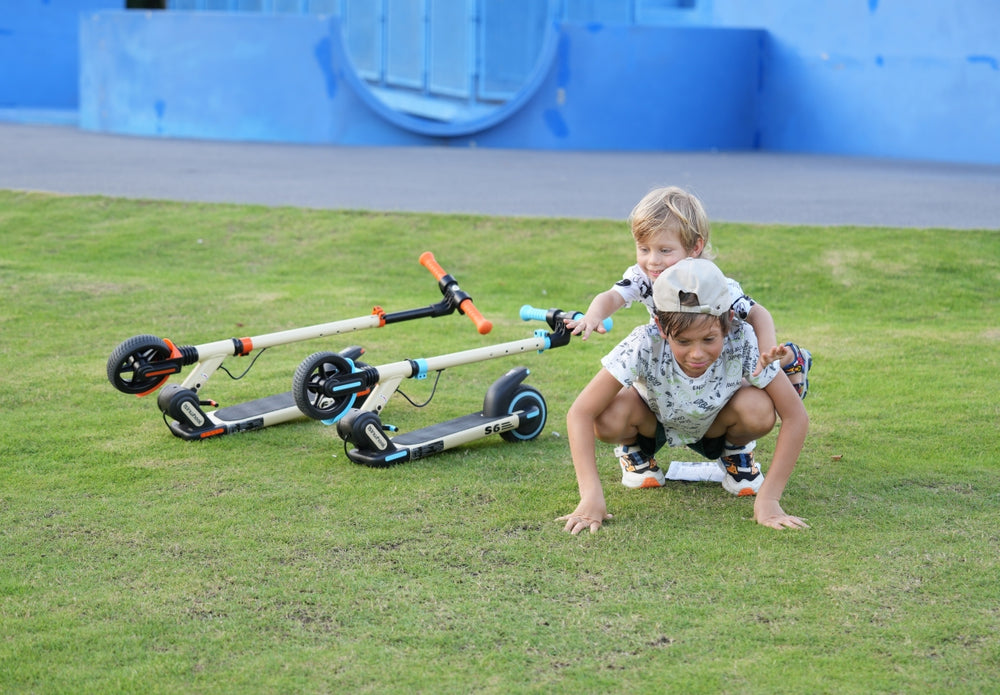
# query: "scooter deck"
242, 417
255, 408
434, 439
442, 429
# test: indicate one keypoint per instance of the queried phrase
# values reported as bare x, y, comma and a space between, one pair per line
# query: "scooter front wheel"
309, 380
530, 402
136, 353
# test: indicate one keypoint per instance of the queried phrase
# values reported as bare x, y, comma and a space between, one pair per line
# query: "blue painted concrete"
287, 78
916, 80
634, 88
208, 75
39, 52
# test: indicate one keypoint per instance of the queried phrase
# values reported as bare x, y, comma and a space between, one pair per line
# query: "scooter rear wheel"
308, 381
124, 363
530, 401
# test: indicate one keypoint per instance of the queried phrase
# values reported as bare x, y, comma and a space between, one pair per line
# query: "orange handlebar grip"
428, 261
483, 324
466, 306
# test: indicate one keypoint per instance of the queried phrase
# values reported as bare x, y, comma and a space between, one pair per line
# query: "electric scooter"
327, 386
143, 363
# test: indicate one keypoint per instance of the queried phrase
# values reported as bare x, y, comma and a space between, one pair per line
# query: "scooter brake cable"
249, 367
429, 398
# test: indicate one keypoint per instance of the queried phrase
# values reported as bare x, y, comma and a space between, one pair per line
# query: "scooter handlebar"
483, 324
530, 313
450, 287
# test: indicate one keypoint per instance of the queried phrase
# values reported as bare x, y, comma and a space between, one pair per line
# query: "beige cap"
693, 276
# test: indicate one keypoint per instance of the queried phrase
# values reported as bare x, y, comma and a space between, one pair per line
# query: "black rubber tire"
306, 386
139, 349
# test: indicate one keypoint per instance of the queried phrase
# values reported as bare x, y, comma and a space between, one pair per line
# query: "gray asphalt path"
736, 187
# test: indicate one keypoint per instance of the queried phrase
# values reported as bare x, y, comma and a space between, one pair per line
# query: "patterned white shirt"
636, 287
684, 405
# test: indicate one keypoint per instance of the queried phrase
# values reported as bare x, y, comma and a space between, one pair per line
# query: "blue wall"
287, 78
915, 79
39, 51
207, 75
642, 88
903, 78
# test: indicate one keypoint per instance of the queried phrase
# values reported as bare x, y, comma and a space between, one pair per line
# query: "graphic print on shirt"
686, 406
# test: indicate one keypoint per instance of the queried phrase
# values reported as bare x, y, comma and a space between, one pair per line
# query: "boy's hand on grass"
768, 356
769, 513
585, 516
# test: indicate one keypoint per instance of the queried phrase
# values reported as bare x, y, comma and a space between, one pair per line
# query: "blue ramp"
320, 79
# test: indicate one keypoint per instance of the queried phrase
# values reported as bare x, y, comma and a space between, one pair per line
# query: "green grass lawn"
133, 561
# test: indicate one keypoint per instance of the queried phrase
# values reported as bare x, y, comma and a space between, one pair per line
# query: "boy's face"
696, 348
659, 252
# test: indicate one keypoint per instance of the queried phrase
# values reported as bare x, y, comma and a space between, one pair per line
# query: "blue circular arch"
422, 126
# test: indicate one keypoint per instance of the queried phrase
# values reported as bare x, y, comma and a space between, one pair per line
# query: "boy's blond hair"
672, 209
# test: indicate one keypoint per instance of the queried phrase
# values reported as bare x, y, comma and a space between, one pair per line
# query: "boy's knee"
625, 415
609, 426
754, 410
764, 419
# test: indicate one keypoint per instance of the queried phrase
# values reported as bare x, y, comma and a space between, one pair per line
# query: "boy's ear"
659, 327
699, 246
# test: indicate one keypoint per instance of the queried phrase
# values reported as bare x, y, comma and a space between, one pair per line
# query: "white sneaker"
638, 468
743, 476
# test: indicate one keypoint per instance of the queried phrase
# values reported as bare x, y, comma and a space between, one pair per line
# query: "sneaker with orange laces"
639, 469
743, 476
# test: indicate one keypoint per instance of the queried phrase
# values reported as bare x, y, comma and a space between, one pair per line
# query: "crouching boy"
687, 380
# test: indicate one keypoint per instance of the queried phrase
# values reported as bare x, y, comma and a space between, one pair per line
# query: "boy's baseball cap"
693, 276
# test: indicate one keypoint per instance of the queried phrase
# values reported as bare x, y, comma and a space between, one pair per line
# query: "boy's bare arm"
762, 322
601, 307
791, 436
592, 510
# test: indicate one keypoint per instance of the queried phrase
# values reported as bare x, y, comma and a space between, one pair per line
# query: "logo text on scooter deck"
375, 437
192, 414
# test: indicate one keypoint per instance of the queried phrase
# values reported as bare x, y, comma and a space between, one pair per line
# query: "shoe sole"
647, 481
745, 491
